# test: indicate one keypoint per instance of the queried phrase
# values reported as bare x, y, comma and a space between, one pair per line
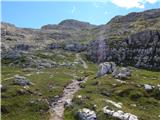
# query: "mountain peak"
148, 14
76, 24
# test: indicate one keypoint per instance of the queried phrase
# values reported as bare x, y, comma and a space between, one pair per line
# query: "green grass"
18, 106
147, 102
56, 55
93, 92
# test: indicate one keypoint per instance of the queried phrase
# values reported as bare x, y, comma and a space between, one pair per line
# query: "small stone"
67, 103
133, 105
3, 88
148, 87
79, 96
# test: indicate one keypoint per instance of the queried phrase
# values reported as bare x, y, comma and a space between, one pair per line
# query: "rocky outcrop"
143, 49
132, 39
140, 50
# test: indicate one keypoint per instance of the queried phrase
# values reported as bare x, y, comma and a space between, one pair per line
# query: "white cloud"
73, 9
132, 3
151, 1
128, 3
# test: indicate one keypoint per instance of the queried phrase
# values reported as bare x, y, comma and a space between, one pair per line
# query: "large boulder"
107, 67
87, 114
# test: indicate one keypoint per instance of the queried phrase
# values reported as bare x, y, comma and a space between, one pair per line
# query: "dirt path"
57, 108
80, 59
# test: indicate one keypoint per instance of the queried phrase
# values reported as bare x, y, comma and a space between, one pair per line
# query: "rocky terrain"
78, 71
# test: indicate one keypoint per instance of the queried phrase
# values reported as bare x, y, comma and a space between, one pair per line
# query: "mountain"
70, 24
72, 35
78, 71
120, 27
142, 30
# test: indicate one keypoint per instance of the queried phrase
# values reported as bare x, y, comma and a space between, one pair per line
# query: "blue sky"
35, 14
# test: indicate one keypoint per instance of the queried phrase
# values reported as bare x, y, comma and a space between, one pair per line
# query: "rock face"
107, 67
98, 51
140, 50
143, 49
119, 114
86, 114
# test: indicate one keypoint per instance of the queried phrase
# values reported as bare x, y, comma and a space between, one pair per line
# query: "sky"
34, 14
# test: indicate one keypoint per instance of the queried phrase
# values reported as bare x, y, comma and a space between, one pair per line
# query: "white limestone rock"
87, 114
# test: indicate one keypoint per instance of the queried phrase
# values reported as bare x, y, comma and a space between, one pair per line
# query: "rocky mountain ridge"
132, 39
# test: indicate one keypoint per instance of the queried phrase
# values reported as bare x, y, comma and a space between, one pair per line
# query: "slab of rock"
118, 105
119, 114
87, 114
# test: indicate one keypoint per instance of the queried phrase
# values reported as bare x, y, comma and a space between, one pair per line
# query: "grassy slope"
147, 103
19, 106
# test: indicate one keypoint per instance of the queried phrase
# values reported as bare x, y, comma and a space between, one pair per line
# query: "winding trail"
57, 108
78, 57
